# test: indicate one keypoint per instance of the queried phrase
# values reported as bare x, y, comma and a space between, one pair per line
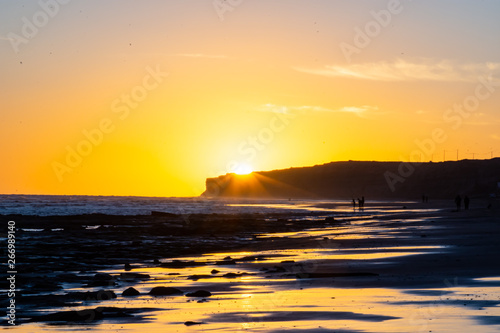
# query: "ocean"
51, 205
45, 205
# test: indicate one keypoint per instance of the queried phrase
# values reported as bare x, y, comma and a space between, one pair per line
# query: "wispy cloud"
310, 108
201, 55
357, 110
402, 70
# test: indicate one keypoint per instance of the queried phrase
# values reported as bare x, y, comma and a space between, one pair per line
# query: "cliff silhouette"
376, 180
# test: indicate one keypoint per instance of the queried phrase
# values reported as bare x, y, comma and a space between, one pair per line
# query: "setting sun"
243, 169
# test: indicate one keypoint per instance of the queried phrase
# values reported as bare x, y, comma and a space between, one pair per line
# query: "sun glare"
243, 169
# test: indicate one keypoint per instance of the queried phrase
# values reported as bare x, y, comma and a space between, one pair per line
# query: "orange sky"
150, 98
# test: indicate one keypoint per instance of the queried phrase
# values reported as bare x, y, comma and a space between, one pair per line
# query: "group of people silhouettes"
361, 203
458, 202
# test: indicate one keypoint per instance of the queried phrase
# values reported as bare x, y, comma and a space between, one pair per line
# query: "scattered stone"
127, 267
196, 277
225, 262
181, 264
101, 295
134, 276
248, 258
199, 293
191, 323
157, 213
288, 261
252, 258
165, 291
131, 291
234, 275
277, 269
101, 280
215, 271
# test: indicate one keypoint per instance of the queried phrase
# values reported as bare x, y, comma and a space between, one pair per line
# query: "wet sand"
419, 269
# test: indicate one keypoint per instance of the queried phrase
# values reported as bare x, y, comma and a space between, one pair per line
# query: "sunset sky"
151, 97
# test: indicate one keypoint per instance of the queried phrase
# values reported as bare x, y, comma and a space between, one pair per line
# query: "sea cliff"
352, 179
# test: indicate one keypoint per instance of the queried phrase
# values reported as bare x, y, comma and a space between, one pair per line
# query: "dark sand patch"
488, 320
93, 315
296, 316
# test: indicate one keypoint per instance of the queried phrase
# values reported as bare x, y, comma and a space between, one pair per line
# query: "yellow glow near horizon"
120, 114
243, 169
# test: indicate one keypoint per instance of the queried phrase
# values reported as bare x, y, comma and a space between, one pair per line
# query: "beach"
394, 267
250, 166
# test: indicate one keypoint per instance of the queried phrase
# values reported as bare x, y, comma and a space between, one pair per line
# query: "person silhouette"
466, 202
458, 202
354, 204
361, 203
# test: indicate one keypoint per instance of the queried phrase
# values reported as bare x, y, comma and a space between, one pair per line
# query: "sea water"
46, 205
